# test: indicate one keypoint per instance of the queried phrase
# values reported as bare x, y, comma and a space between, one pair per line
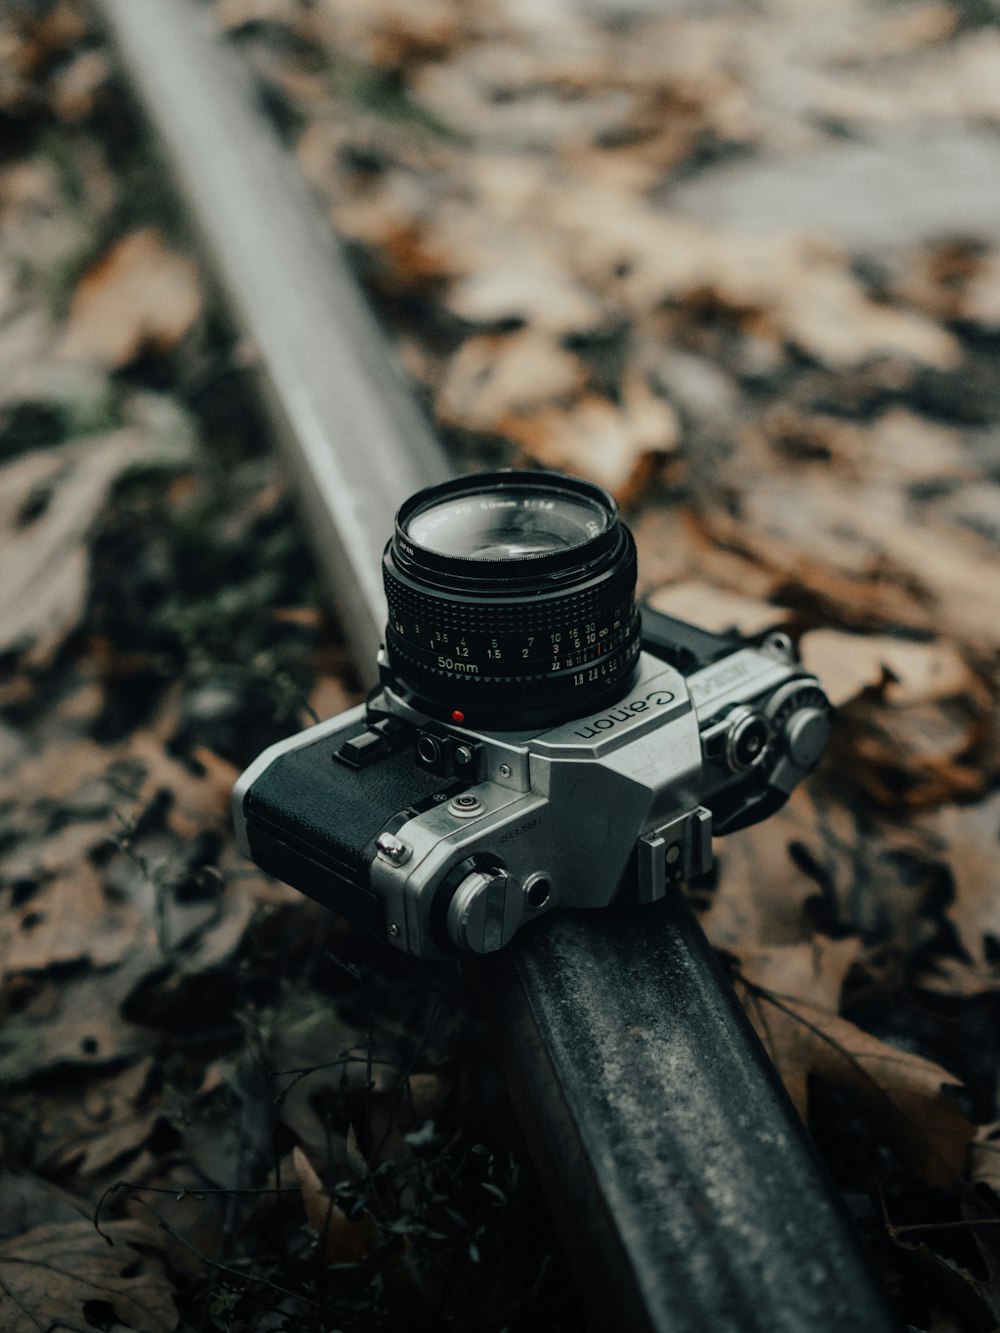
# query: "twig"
183, 1192
23, 1308
958, 1225
246, 1278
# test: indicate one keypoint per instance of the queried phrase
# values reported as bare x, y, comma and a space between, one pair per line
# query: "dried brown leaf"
761, 892
912, 758
69, 919
984, 1157
615, 445
118, 1142
718, 609
531, 286
800, 288
31, 1201
908, 1094
970, 836
494, 374
140, 295
899, 447
393, 31
813, 971
859, 552
75, 1021
237, 13
77, 85
914, 716
200, 800
425, 1094
981, 299
343, 1241
49, 500
356, 1159
818, 860
107, 1124
51, 1276
907, 672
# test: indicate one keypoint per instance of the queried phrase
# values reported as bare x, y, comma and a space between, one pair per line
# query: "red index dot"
457, 715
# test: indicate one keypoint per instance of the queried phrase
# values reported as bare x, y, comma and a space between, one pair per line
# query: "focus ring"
541, 612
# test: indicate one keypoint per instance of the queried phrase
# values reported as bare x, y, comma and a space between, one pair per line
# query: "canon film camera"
536, 740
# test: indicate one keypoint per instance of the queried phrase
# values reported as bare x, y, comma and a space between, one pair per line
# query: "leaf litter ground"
804, 426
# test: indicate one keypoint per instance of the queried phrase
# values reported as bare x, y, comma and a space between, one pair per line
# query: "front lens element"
511, 599
503, 525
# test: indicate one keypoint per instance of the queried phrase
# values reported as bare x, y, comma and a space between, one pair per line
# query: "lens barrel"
511, 600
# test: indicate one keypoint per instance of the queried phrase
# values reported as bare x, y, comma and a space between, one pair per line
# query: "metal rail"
687, 1192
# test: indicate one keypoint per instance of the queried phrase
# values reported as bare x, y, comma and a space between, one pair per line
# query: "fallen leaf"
762, 890
67, 1276
110, 1123
68, 919
343, 1241
360, 1245
859, 552
75, 1021
77, 85
496, 374
813, 971
974, 1300
916, 757
910, 1095
139, 295
530, 286
392, 31
673, 548
799, 286
696, 385
899, 447
829, 316
718, 609
984, 1157
970, 840
820, 864
615, 445
905, 671
228, 14
49, 500
30, 1201
981, 299
913, 718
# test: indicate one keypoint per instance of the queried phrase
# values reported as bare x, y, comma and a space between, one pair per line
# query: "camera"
536, 739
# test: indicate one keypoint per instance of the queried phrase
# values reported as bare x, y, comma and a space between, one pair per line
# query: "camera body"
439, 835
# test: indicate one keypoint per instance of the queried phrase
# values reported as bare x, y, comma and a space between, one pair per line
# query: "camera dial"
511, 600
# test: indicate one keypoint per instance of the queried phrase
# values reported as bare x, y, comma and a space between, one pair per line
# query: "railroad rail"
685, 1187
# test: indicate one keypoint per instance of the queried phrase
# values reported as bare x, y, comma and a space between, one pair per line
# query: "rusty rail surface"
686, 1190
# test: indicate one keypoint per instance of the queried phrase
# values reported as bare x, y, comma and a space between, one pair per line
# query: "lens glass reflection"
513, 524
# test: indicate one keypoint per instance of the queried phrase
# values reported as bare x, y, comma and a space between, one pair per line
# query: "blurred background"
738, 263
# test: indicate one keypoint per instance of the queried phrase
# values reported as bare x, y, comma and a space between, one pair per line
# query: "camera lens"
511, 599
533, 521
